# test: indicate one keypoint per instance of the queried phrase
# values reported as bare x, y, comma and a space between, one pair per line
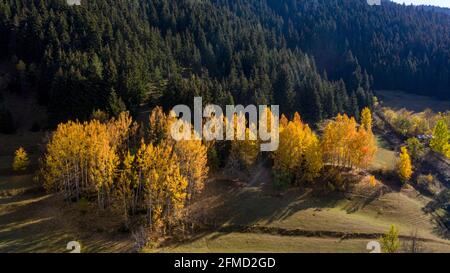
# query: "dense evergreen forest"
318, 57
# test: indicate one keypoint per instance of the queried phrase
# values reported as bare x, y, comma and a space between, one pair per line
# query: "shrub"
213, 159
282, 179
415, 148
390, 242
427, 183
21, 161
83, 205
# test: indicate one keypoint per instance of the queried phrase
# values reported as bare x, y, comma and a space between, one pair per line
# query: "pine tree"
354, 108
115, 104
284, 94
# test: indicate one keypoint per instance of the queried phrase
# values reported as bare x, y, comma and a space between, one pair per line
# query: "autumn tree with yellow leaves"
162, 184
193, 161
345, 144
104, 159
441, 136
191, 154
95, 158
123, 133
159, 126
127, 188
245, 151
372, 181
21, 160
82, 158
299, 156
81, 161
404, 166
366, 119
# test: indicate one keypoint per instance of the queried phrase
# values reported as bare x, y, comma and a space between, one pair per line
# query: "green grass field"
385, 158
237, 242
354, 216
416, 103
33, 221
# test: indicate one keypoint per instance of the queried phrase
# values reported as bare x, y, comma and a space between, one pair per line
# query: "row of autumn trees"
122, 166
141, 170
425, 124
302, 155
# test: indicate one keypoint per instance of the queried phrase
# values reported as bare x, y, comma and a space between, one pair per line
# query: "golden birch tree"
404, 165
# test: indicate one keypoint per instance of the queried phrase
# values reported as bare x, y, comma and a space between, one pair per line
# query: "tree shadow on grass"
236, 209
252, 206
439, 207
33, 223
27, 227
360, 201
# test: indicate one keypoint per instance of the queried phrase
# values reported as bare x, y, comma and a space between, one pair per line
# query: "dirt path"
312, 233
386, 132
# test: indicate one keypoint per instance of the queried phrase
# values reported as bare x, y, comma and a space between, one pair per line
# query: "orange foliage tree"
347, 145
299, 157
